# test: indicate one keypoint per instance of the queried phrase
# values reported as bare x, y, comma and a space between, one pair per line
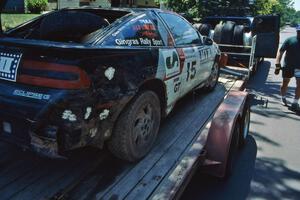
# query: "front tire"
137, 127
213, 78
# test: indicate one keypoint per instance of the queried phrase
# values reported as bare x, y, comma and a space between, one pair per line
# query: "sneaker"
284, 101
295, 107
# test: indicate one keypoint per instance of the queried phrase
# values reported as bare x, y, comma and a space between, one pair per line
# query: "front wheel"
213, 78
137, 127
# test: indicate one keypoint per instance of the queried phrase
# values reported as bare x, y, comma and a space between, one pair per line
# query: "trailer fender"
220, 133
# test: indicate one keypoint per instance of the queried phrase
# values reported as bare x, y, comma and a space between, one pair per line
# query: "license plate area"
9, 63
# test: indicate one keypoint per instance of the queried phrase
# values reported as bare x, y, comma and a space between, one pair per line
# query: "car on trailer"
89, 76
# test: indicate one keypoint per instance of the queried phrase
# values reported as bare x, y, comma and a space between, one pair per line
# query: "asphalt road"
269, 166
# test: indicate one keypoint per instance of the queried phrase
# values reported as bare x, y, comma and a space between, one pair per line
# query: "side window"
165, 35
182, 31
139, 31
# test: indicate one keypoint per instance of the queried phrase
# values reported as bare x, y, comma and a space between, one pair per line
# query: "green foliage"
12, 20
284, 8
203, 8
36, 6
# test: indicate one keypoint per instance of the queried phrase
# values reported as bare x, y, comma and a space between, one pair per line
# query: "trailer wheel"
213, 79
233, 149
137, 127
245, 125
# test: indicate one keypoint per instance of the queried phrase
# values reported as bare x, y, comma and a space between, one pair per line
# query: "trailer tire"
245, 125
218, 33
233, 149
136, 128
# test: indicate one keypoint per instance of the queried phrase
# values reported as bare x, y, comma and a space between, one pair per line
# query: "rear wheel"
137, 127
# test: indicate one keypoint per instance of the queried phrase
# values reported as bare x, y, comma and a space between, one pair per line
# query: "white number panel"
9, 64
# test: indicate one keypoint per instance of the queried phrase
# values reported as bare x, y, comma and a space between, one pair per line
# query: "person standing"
291, 67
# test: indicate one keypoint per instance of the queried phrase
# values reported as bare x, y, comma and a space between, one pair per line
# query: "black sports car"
79, 77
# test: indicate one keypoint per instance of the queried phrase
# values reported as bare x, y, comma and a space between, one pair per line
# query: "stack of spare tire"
204, 29
224, 33
231, 34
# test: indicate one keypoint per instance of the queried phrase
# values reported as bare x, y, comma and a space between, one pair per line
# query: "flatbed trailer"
187, 140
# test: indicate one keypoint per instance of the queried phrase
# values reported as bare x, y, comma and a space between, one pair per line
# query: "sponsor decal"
127, 42
191, 70
9, 64
171, 63
177, 84
32, 95
139, 42
205, 54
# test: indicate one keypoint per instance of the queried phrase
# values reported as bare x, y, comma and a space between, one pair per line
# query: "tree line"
199, 9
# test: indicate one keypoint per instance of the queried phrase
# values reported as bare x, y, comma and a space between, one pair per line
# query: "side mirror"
207, 41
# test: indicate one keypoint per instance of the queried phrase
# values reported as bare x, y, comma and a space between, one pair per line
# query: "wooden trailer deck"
92, 173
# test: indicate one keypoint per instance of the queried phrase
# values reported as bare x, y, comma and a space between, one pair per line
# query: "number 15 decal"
191, 70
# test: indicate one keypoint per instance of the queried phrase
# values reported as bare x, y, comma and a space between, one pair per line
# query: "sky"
297, 4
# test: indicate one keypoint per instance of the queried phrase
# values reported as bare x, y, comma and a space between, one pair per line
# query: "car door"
188, 41
266, 29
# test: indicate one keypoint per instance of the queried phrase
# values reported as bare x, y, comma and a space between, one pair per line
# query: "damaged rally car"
90, 76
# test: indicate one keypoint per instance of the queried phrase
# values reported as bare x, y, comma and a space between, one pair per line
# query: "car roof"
129, 10
122, 10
